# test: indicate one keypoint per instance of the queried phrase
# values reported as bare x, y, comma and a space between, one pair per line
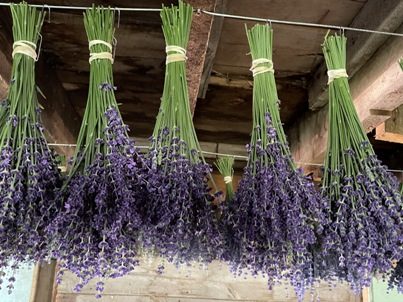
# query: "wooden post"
43, 282
200, 35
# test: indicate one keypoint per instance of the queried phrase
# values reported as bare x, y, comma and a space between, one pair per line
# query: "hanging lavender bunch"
104, 189
181, 224
276, 213
28, 171
366, 233
225, 167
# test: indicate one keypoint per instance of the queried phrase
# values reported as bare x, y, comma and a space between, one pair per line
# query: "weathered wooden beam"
247, 82
192, 284
383, 135
392, 129
229, 82
5, 48
198, 47
61, 121
381, 112
214, 39
43, 282
376, 88
382, 15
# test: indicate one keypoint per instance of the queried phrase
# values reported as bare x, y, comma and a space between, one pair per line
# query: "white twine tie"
178, 56
228, 179
336, 74
24, 47
256, 69
107, 55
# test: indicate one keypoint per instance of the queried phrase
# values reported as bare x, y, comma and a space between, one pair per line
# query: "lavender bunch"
28, 171
276, 214
181, 224
96, 232
225, 167
366, 231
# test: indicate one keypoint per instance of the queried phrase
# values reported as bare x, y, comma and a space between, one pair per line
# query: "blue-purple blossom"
365, 206
180, 218
366, 232
96, 232
273, 222
29, 176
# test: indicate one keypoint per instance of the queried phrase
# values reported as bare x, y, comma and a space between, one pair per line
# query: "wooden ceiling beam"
377, 88
5, 49
384, 15
214, 39
392, 129
199, 40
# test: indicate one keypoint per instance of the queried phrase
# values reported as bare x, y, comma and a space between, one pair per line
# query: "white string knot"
256, 69
228, 179
179, 54
107, 55
24, 47
336, 74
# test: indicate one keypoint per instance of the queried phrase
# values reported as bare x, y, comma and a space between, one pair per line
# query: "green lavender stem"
225, 167
22, 97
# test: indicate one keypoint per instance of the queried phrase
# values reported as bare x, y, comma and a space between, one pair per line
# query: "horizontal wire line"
241, 157
238, 17
67, 7
303, 24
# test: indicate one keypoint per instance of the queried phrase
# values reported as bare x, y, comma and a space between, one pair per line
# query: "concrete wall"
22, 286
379, 293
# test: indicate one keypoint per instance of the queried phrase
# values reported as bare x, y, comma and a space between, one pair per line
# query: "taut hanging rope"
227, 179
178, 56
25, 47
100, 55
258, 68
336, 74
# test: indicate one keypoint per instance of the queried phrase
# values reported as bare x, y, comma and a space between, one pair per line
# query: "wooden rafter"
198, 47
376, 15
377, 89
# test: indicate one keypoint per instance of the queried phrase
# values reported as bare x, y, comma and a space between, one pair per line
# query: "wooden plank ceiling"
225, 114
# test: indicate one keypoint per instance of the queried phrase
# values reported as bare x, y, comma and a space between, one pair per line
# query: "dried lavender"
181, 225
276, 213
96, 233
225, 167
366, 233
28, 171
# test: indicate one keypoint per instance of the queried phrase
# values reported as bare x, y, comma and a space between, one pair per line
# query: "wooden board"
193, 284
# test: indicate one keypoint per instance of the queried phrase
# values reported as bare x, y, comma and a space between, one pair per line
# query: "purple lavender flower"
181, 223
29, 176
107, 87
274, 220
96, 232
366, 233
365, 206
27, 201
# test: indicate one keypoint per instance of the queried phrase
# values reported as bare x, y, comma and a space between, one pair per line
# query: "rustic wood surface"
193, 284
